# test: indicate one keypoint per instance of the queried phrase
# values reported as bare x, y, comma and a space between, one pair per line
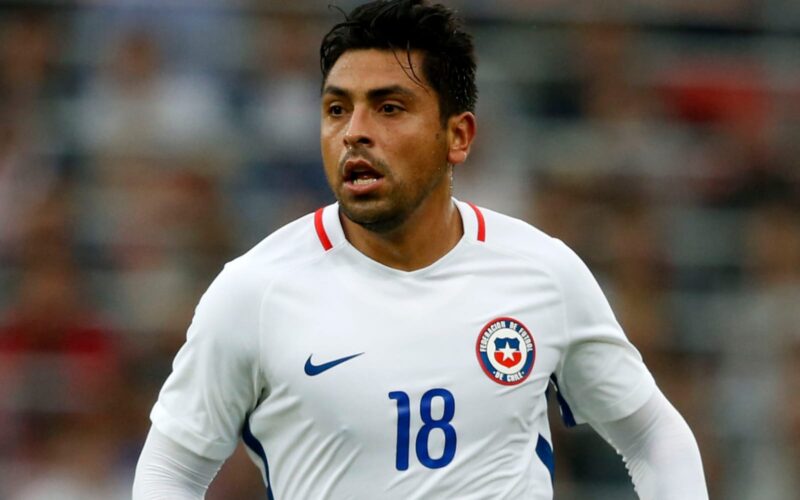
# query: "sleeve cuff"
188, 438
624, 407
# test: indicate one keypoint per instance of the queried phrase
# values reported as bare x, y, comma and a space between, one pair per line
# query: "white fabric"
168, 471
344, 433
659, 451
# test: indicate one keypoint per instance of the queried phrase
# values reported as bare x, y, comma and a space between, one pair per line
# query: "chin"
373, 219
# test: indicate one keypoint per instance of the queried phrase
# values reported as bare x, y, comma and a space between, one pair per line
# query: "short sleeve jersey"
347, 379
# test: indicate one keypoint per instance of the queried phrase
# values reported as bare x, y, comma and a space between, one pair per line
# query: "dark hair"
449, 56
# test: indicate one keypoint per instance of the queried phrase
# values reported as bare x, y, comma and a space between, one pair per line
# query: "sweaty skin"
389, 159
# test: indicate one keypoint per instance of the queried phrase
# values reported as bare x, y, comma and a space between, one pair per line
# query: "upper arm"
168, 470
215, 381
601, 374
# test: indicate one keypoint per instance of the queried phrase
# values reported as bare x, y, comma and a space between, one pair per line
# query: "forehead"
372, 68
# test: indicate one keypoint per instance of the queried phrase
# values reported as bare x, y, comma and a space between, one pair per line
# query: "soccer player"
400, 343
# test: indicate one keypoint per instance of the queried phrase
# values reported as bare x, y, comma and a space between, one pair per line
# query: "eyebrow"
372, 94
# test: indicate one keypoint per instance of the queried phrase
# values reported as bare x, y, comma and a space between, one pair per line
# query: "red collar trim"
320, 227
481, 222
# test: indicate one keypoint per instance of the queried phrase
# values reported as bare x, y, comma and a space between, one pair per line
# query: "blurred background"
143, 143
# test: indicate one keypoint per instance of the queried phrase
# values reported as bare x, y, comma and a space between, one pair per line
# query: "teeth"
362, 181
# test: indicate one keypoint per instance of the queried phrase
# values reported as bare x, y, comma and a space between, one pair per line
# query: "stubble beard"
387, 214
375, 214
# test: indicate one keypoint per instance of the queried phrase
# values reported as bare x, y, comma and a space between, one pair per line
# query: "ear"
460, 133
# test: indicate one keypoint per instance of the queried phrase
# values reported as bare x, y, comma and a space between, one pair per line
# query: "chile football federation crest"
506, 351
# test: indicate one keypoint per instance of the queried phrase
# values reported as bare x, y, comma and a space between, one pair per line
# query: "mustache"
363, 154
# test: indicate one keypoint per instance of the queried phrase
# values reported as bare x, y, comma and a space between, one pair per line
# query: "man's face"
383, 145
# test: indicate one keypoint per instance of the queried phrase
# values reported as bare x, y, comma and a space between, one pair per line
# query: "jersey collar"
330, 233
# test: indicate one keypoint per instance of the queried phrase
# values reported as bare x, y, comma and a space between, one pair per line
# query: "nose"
358, 129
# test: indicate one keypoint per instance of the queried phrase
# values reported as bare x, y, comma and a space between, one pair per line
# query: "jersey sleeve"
601, 376
215, 377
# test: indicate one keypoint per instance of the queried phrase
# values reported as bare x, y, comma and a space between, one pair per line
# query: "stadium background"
144, 143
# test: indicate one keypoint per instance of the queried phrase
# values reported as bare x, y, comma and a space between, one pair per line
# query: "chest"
356, 349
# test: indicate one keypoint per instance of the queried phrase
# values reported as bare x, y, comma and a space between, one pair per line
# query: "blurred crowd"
143, 144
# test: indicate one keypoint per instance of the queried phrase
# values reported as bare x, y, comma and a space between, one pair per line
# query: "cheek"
434, 148
330, 146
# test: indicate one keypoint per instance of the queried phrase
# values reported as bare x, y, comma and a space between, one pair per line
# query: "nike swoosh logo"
312, 370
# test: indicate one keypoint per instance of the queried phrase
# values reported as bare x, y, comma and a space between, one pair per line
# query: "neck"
427, 235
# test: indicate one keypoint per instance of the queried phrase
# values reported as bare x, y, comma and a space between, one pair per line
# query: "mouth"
360, 174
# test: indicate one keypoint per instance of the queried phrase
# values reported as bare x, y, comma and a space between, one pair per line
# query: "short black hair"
435, 30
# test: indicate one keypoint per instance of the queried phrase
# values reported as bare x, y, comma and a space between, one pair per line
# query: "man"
399, 343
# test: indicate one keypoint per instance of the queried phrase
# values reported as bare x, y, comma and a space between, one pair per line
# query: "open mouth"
359, 172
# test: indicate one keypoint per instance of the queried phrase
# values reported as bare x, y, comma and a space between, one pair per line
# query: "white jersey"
347, 379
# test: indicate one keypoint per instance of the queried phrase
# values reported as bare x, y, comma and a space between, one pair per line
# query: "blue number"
403, 425
429, 424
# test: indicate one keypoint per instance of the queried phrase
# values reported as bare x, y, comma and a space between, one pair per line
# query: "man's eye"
390, 108
335, 110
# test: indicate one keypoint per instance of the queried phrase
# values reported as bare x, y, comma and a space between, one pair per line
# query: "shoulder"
516, 238
292, 245
509, 241
243, 280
